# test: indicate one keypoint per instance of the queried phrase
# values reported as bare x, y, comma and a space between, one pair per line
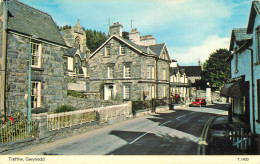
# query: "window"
126, 92
150, 72
36, 94
122, 50
164, 74
127, 71
110, 72
258, 45
36, 55
164, 92
107, 51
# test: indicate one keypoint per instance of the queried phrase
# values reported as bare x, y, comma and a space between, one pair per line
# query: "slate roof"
30, 21
157, 48
255, 9
240, 36
192, 70
71, 52
173, 71
141, 48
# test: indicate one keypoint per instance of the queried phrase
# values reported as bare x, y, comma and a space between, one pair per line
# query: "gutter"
252, 89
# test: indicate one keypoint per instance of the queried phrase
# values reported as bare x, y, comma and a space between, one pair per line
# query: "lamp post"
29, 82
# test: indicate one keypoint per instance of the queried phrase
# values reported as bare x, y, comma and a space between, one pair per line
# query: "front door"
108, 92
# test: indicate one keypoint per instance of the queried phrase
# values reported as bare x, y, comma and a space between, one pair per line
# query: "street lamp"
29, 81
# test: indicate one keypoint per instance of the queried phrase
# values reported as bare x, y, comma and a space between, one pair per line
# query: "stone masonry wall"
98, 67
51, 75
81, 103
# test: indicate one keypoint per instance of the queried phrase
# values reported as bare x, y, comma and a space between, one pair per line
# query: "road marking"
138, 138
192, 112
164, 123
181, 116
203, 138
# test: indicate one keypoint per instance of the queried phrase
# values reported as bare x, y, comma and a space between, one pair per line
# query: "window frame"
258, 44
122, 49
127, 71
164, 74
36, 94
127, 95
36, 52
107, 51
110, 72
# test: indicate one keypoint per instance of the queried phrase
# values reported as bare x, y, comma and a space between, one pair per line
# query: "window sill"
106, 56
37, 69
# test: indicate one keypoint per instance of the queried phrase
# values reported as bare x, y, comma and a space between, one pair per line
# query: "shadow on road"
153, 144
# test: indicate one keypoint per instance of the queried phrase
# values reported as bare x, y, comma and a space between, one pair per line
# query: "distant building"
23, 31
134, 69
77, 56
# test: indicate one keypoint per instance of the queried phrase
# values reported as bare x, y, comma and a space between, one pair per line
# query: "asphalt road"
175, 132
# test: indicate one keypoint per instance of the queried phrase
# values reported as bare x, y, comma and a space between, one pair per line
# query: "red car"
198, 102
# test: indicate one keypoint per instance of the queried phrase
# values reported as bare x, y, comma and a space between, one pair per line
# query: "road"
177, 132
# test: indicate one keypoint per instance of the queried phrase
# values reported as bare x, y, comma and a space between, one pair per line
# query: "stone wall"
81, 103
52, 75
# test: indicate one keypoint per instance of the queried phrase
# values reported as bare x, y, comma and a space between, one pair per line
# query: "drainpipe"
252, 83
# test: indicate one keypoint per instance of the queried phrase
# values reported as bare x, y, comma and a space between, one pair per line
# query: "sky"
191, 29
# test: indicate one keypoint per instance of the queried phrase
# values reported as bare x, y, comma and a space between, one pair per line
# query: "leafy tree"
64, 27
216, 69
95, 39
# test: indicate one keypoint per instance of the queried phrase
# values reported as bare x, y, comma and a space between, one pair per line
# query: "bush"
75, 94
65, 108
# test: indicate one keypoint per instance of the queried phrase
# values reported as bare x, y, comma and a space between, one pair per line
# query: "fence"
68, 119
12, 132
241, 139
44, 123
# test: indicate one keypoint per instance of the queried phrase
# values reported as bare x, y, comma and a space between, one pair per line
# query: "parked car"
198, 102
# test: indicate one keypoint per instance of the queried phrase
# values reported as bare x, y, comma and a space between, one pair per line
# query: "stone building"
77, 56
128, 70
24, 32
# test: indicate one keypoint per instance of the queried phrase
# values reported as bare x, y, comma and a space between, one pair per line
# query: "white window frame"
110, 72
127, 71
36, 54
122, 50
127, 91
107, 51
36, 94
150, 72
164, 74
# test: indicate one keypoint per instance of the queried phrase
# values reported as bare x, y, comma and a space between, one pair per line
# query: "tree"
95, 39
216, 69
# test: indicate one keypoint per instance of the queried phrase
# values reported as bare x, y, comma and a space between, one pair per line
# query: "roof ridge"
31, 7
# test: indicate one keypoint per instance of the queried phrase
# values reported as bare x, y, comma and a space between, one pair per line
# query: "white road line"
164, 123
181, 116
192, 112
138, 138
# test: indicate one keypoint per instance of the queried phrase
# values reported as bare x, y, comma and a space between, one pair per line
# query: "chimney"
147, 40
134, 36
116, 29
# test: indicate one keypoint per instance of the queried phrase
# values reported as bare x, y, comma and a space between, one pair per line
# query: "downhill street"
178, 132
